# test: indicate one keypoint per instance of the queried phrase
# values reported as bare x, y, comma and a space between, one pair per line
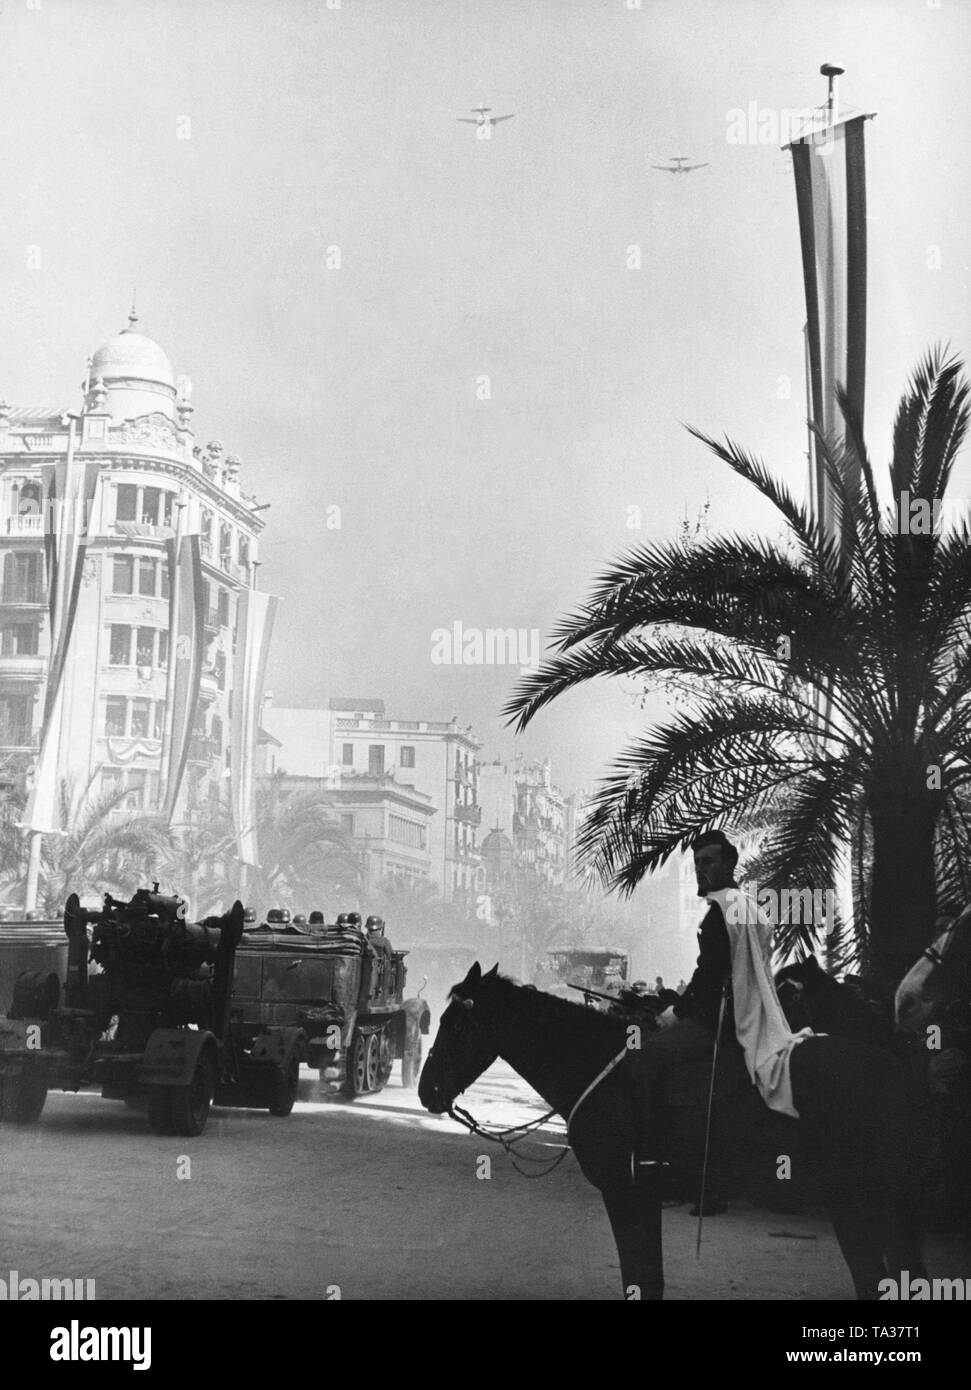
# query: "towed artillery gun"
343, 987
146, 1014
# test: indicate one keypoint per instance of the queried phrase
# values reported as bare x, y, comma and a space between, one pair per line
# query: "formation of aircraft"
480, 117
679, 165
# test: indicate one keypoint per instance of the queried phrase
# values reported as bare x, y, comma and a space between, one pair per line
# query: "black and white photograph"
485, 666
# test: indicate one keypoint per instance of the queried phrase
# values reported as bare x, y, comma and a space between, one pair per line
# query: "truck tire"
355, 1079
385, 1058
411, 1065
191, 1103
160, 1110
283, 1088
22, 1098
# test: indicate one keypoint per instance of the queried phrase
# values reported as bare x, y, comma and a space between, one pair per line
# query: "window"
347, 823
347, 754
19, 639
141, 714
407, 755
145, 647
375, 759
158, 718
124, 571
120, 648
216, 733
30, 499
23, 581
164, 589
137, 783
163, 651
151, 505
219, 666
207, 520
16, 714
116, 712
223, 607
147, 570
127, 508
244, 552
110, 781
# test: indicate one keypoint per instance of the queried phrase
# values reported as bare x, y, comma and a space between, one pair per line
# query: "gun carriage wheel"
22, 1098
283, 1090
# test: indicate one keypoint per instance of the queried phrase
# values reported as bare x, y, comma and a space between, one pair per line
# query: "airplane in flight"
679, 165
481, 118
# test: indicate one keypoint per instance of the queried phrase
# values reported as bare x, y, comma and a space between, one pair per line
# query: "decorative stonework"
155, 429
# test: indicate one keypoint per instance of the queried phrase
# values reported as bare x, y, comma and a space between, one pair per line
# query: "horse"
856, 1122
811, 998
937, 987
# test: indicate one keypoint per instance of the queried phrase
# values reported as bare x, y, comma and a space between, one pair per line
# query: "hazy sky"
314, 127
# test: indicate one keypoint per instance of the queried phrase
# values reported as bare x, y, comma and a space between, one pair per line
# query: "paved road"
373, 1196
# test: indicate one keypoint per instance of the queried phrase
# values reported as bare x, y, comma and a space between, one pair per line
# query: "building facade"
353, 740
520, 799
145, 482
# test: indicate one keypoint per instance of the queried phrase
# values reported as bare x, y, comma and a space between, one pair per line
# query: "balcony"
27, 524
213, 621
23, 592
23, 665
203, 750
468, 815
18, 736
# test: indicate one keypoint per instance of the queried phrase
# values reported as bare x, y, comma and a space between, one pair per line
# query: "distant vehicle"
482, 118
679, 165
601, 970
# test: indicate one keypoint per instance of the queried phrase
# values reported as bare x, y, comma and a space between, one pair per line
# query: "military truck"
342, 986
145, 1013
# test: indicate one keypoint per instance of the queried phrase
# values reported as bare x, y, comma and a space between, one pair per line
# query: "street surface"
374, 1196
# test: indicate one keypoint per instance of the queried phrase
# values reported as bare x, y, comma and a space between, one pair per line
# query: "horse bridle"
499, 1136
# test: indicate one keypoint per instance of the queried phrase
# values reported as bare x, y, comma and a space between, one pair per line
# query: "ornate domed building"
141, 547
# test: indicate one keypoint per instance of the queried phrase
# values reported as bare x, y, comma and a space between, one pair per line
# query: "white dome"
129, 355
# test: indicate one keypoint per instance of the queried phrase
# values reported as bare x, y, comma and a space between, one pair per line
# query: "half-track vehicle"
145, 1013
342, 986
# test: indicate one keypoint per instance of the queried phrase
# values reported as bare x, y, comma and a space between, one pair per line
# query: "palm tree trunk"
902, 907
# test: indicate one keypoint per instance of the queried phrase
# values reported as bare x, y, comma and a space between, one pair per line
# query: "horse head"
937, 978
465, 1045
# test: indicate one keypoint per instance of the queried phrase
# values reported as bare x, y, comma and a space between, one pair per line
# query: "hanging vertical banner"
70, 495
254, 627
830, 171
187, 615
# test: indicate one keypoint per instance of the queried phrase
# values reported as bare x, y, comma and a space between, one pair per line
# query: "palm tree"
833, 682
99, 852
306, 855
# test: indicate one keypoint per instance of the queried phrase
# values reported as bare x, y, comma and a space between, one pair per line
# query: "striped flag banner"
830, 170
70, 492
256, 614
187, 615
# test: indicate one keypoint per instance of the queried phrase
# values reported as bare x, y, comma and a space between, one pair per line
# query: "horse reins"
500, 1136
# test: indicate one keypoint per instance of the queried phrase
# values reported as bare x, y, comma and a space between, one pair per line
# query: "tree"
880, 627
306, 856
100, 851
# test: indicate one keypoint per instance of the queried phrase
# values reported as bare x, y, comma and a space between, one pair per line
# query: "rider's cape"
760, 1025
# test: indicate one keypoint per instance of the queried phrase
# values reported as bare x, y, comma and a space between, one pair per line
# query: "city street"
376, 1197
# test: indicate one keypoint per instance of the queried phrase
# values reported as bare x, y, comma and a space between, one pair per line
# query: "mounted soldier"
731, 996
